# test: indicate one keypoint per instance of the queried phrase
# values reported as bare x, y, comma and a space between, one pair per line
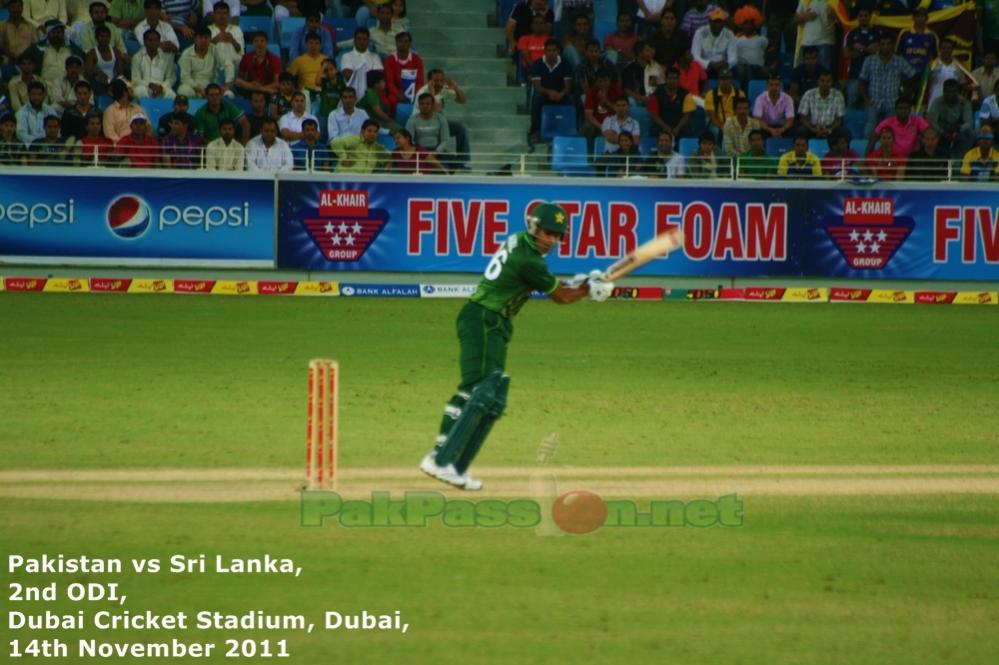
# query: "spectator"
287, 87
982, 162
906, 128
227, 38
704, 162
738, 128
290, 125
182, 16
259, 69
950, 115
665, 162
799, 162
671, 107
51, 56
259, 112
885, 162
378, 103
668, 42
551, 79
780, 23
599, 105
363, 154
225, 153
169, 42
182, 147
750, 45
50, 148
383, 34
153, 72
347, 119
756, 163
620, 44
617, 124
104, 63
299, 40
623, 162
16, 33
200, 66
208, 120
841, 160
428, 128
356, 63
404, 70
714, 45
929, 162
98, 17
409, 158
573, 9
330, 89
309, 150
918, 45
693, 78
719, 103
208, 8
943, 69
985, 77
31, 116
119, 115
126, 14
12, 151
697, 16
399, 20
95, 147
817, 19
443, 88
74, 119
641, 77
181, 106
308, 67
651, 12
990, 107
806, 75
880, 80
574, 44
268, 152
137, 148
63, 91
521, 20
18, 86
774, 109
858, 44
531, 47
593, 63
822, 109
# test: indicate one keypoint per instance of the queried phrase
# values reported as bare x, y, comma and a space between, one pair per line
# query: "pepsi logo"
128, 216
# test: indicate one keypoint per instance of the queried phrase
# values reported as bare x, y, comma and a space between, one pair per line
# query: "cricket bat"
658, 246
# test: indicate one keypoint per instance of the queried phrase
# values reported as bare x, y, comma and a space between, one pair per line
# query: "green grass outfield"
838, 573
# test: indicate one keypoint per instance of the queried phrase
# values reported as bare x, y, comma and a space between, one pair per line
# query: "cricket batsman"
485, 326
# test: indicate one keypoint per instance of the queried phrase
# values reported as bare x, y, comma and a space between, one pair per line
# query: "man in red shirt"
598, 105
532, 47
259, 69
139, 149
693, 78
404, 70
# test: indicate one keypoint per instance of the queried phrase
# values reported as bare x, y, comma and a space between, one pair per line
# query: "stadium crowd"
668, 88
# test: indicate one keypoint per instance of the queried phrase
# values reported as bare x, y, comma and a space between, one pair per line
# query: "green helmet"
548, 216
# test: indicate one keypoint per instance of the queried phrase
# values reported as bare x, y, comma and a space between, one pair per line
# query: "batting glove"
600, 291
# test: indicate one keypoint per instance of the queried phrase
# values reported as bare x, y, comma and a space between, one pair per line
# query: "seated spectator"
799, 162
719, 104
259, 69
650, 13
63, 91
574, 44
182, 147
665, 162
378, 103
137, 148
227, 38
667, 40
153, 72
429, 129
410, 158
310, 150
531, 47
697, 16
200, 65
981, 163
99, 17
31, 117
822, 108
750, 45
945, 68
17, 87
551, 79
50, 148
906, 128
693, 78
118, 116
585, 73
308, 67
290, 124
620, 44
598, 105
929, 162
714, 45
860, 43
225, 153
619, 123
950, 115
182, 16
805, 76
841, 160
169, 43
756, 162
881, 78
330, 89
12, 150
181, 106
267, 151
346, 119
989, 112
208, 120
74, 119
104, 63
817, 21
362, 154
299, 40
399, 20
738, 127
259, 112
670, 106
16, 33
356, 63
404, 70
287, 87
885, 162
623, 162
704, 162
640, 78
208, 9
986, 77
95, 147
521, 20
384, 33
51, 56
774, 109
443, 88
124, 14
40, 12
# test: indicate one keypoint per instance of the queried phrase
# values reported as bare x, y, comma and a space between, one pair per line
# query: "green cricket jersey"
514, 271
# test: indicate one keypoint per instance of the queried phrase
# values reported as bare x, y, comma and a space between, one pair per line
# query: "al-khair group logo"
128, 216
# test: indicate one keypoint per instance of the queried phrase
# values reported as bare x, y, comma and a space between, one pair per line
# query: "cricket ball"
579, 511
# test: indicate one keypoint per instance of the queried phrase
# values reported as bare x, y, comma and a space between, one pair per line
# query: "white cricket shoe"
471, 483
446, 474
429, 466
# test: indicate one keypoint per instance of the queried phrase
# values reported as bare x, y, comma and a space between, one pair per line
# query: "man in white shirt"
818, 22
153, 71
290, 125
200, 65
225, 153
714, 45
228, 39
268, 152
613, 125
356, 64
168, 36
346, 119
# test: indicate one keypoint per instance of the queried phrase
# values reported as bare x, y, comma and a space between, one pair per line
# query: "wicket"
323, 420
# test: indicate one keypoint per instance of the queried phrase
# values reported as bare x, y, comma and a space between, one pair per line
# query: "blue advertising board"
130, 220
731, 230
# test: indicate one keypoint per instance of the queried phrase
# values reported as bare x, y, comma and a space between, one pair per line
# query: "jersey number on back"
499, 258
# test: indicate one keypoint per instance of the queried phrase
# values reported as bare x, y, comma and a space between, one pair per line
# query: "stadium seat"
698, 122
103, 101
402, 113
503, 9
569, 156
289, 25
641, 115
605, 10
251, 24
155, 108
777, 147
242, 103
854, 122
558, 120
818, 147
4, 14
648, 145
274, 48
687, 146
386, 141
195, 103
599, 144
343, 28
601, 29
859, 146
756, 88
712, 84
